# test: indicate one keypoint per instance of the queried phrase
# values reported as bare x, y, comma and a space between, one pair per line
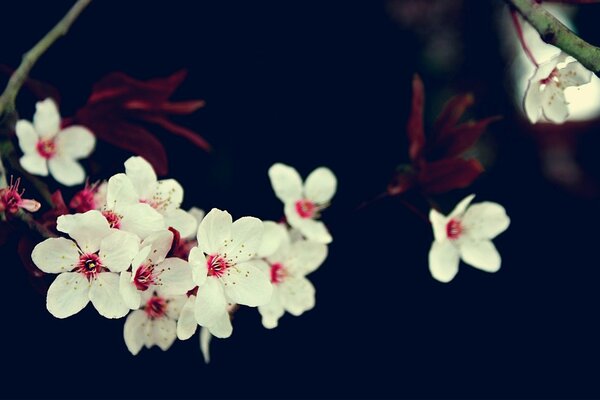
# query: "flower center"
552, 77
46, 148
278, 273
144, 277
10, 199
454, 229
114, 220
217, 265
89, 264
306, 208
156, 307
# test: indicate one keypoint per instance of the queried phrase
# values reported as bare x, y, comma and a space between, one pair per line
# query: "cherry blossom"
87, 266
11, 199
466, 233
151, 270
304, 201
155, 323
545, 92
47, 147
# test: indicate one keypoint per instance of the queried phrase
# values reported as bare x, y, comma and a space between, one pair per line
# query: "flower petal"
481, 254
175, 277
443, 260
205, 338
28, 137
129, 293
438, 223
46, 118
142, 175
310, 228
485, 220
68, 294
533, 101
34, 164
214, 231
222, 328
272, 311
286, 182
105, 296
55, 255
320, 185
273, 236
87, 229
554, 104
187, 324
120, 193
164, 332
247, 284
461, 207
197, 262
65, 170
135, 331
246, 236
305, 257
142, 220
574, 74
167, 195
176, 304
210, 303
297, 295
75, 142
160, 243
183, 221
118, 249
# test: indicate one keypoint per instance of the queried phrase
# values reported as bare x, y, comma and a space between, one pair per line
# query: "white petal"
66, 170
320, 185
176, 304
438, 223
164, 332
183, 221
443, 260
214, 231
272, 311
68, 294
34, 164
210, 303
481, 254
461, 207
129, 293
46, 118
198, 214
105, 295
205, 338
120, 193
297, 295
197, 262
87, 229
246, 284
142, 220
75, 142
485, 220
141, 174
222, 328
311, 229
135, 331
28, 137
554, 104
246, 236
175, 277
286, 182
160, 243
273, 235
574, 74
167, 195
118, 249
141, 258
187, 324
533, 101
305, 257
55, 255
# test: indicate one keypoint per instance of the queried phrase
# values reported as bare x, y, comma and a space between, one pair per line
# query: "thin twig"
34, 225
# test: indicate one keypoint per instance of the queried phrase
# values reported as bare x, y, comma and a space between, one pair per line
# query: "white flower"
151, 270
224, 271
155, 323
466, 234
545, 91
219, 325
46, 146
88, 267
303, 202
288, 268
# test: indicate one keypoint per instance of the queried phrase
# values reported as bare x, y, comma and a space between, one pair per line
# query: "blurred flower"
303, 202
87, 267
545, 92
437, 165
119, 103
11, 199
466, 234
48, 147
155, 323
91, 197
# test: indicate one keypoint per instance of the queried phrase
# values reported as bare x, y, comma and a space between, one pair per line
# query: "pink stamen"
11, 199
83, 200
217, 265
278, 273
46, 148
156, 307
89, 265
454, 229
306, 208
144, 277
114, 220
550, 77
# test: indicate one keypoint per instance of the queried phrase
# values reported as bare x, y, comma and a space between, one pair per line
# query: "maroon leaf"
445, 175
180, 131
414, 128
451, 113
464, 136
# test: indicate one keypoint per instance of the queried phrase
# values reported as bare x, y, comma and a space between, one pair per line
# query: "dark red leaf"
451, 113
414, 128
460, 138
445, 175
180, 131
180, 107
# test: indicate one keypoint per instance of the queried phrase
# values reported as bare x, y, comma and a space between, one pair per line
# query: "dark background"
310, 84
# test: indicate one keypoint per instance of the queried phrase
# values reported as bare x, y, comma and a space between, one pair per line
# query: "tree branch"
553, 32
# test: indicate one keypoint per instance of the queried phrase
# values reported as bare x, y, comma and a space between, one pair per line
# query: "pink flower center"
306, 208
46, 148
114, 220
144, 277
90, 265
156, 307
454, 229
217, 265
278, 273
550, 78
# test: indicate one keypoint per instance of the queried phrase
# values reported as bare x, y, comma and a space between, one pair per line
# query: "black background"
310, 84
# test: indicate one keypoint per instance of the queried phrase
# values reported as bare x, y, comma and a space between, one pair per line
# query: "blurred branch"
553, 31
7, 99
574, 1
